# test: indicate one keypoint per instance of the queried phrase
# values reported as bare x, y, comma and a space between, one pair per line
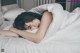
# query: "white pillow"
76, 10
9, 7
12, 14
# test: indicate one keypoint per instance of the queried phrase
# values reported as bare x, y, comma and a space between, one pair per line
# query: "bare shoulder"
47, 15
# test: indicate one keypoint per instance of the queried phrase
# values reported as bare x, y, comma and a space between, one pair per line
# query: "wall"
27, 4
0, 5
70, 6
7, 2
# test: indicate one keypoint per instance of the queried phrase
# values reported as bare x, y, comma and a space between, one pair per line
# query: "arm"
8, 33
37, 37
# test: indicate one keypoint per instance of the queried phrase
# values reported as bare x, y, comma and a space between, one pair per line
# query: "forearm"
27, 35
37, 37
7, 33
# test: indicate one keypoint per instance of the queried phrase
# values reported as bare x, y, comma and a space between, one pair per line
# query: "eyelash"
28, 27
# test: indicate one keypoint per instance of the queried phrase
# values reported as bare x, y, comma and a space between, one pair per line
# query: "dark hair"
19, 22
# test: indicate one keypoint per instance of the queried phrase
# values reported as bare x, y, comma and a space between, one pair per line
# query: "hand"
8, 33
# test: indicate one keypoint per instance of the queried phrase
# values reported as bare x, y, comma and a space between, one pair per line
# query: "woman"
40, 21
43, 25
26, 20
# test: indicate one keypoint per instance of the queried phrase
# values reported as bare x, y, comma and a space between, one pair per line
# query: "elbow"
37, 41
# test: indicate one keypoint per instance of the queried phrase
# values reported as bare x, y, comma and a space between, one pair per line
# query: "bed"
63, 35
9, 11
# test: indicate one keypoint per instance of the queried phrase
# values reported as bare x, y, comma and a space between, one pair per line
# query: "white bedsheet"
63, 36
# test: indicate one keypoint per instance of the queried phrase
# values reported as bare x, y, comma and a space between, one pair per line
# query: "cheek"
38, 22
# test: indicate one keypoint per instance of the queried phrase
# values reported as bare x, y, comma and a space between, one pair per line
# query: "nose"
33, 24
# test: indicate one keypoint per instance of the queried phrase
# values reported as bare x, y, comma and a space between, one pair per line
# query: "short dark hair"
19, 22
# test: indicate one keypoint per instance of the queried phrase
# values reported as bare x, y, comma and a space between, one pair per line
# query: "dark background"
62, 2
7, 2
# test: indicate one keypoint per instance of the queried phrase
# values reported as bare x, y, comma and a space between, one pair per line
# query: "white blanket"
63, 35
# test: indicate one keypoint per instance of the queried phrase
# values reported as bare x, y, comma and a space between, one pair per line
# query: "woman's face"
32, 25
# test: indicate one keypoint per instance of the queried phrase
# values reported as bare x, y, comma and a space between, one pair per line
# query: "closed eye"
28, 27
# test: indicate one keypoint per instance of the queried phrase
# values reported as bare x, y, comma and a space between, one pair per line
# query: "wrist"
16, 31
13, 30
